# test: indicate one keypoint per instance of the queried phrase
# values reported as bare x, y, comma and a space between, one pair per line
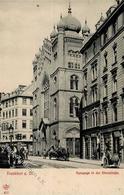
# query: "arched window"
45, 81
74, 104
74, 82
55, 108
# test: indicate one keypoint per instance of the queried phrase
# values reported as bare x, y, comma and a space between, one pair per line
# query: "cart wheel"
104, 162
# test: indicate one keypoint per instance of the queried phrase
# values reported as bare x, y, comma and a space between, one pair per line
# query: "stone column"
111, 143
89, 147
102, 144
73, 146
63, 142
36, 146
83, 147
121, 145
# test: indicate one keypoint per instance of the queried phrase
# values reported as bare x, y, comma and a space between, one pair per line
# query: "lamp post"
0, 124
81, 128
54, 137
10, 128
0, 133
11, 133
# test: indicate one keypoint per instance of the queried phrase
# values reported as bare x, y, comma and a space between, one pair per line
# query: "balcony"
114, 97
113, 69
122, 94
105, 69
114, 63
122, 63
105, 101
94, 80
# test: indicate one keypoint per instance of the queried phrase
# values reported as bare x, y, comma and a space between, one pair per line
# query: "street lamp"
54, 137
11, 133
0, 132
0, 124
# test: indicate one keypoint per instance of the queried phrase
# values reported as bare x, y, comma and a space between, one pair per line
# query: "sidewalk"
90, 161
87, 161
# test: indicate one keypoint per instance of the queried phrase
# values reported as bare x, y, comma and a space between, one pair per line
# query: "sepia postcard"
61, 97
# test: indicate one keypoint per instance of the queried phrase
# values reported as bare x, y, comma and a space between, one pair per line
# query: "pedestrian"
0, 150
108, 155
22, 153
68, 154
103, 157
11, 156
26, 152
44, 154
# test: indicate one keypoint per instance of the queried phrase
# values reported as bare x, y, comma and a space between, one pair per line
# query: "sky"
23, 26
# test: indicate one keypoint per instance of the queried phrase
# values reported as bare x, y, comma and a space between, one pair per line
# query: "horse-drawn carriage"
59, 153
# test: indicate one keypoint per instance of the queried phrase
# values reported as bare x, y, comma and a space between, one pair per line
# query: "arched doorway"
73, 141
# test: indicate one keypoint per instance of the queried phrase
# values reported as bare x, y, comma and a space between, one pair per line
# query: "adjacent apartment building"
57, 70
103, 86
16, 112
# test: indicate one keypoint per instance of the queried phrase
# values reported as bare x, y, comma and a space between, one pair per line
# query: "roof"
21, 91
107, 21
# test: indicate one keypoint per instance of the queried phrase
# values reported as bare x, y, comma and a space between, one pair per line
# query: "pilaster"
90, 147
83, 147
111, 143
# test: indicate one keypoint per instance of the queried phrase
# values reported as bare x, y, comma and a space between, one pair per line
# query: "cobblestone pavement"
39, 162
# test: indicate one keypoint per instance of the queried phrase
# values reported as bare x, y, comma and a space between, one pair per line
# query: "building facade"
57, 70
16, 112
0, 117
103, 86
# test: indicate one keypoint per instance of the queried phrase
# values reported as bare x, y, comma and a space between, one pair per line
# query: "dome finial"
85, 29
69, 8
85, 21
61, 16
102, 18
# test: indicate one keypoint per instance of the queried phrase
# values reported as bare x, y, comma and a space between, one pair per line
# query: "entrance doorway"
77, 146
73, 145
94, 147
69, 145
87, 152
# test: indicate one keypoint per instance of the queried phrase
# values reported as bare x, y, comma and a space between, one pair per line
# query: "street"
39, 162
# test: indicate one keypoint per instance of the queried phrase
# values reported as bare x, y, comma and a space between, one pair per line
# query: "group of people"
12, 153
111, 158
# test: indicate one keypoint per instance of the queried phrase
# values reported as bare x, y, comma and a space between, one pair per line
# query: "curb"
83, 162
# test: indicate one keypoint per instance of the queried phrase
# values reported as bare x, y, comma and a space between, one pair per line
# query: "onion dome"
35, 60
85, 28
69, 22
60, 24
37, 55
54, 33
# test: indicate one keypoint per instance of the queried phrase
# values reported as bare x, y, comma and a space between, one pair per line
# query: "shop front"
91, 146
113, 141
